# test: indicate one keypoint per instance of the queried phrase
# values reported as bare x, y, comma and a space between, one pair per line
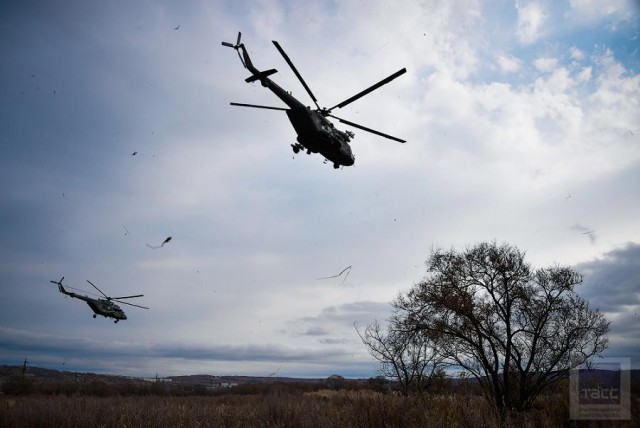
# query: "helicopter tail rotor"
57, 282
237, 47
231, 45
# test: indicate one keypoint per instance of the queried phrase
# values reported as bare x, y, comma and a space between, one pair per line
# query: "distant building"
156, 379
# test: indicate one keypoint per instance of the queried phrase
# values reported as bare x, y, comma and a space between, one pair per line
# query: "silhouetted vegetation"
288, 404
408, 357
111, 401
18, 384
516, 330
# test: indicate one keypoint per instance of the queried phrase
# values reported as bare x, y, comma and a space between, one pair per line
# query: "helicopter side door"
306, 126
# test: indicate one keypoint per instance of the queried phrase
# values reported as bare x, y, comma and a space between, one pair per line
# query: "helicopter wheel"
94, 315
336, 165
295, 148
115, 322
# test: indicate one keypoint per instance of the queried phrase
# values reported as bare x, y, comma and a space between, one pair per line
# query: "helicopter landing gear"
297, 147
336, 165
94, 315
116, 321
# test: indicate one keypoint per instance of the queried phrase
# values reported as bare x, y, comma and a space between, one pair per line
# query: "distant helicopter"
315, 133
104, 307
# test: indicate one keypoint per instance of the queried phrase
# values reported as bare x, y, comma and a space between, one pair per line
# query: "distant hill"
203, 379
41, 375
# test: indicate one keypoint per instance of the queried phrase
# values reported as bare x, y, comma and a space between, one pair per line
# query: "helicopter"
315, 132
104, 307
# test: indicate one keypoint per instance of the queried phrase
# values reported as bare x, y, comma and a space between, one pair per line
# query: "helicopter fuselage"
318, 135
103, 307
106, 308
315, 132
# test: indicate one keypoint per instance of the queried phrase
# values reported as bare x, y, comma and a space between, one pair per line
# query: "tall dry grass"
324, 408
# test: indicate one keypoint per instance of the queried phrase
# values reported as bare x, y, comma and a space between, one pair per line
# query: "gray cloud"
252, 227
612, 284
50, 349
344, 315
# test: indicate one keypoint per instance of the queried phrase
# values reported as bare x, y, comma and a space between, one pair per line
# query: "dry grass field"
280, 407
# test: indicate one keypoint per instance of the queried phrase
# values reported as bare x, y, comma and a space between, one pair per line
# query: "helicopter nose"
350, 160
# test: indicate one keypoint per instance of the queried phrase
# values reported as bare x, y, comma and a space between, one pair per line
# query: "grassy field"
281, 408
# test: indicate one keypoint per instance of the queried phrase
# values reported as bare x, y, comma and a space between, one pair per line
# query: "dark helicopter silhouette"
104, 307
316, 134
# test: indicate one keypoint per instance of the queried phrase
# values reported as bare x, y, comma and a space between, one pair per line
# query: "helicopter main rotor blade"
97, 289
369, 89
127, 297
295, 71
130, 304
83, 291
258, 106
373, 131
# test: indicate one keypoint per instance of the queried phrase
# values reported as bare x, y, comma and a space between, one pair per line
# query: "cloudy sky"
522, 122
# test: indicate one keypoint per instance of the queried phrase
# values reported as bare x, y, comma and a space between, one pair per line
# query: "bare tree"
407, 357
514, 329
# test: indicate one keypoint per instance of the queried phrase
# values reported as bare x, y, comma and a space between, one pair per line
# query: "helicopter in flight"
315, 132
104, 307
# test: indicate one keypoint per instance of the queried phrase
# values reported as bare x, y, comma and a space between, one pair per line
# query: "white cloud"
596, 9
576, 53
531, 18
584, 75
509, 63
546, 64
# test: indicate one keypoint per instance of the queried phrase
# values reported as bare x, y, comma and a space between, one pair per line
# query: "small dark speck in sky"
161, 245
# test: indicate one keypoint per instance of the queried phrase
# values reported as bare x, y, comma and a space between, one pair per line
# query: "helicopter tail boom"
246, 62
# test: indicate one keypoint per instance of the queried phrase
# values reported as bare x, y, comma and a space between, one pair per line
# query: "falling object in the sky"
347, 269
161, 245
275, 373
585, 231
